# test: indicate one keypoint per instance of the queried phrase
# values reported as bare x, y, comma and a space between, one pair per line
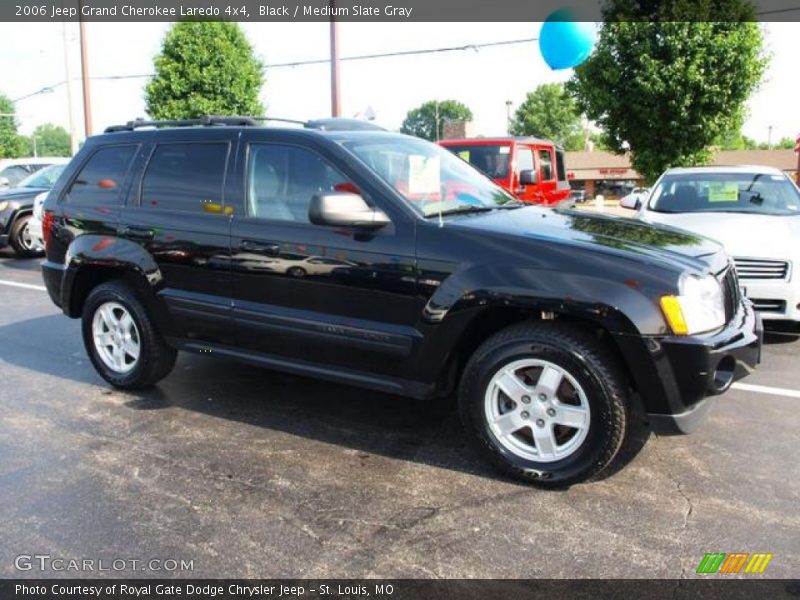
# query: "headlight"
700, 306
3, 205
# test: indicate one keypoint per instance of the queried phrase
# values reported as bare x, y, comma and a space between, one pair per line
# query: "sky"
32, 57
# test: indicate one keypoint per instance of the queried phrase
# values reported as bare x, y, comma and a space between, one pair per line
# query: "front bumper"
775, 300
677, 376
3, 240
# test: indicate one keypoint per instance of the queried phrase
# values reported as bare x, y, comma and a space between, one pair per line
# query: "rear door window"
186, 177
546, 161
100, 180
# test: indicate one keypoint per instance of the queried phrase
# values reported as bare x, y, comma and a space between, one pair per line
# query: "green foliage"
549, 112
205, 68
669, 90
423, 120
51, 140
12, 144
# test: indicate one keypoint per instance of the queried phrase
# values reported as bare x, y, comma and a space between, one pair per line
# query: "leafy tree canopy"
427, 121
12, 145
549, 112
205, 68
669, 90
51, 140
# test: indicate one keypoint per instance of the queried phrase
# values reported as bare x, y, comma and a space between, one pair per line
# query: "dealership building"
600, 172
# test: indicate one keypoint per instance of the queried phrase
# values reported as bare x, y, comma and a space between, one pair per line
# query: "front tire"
546, 403
22, 241
121, 339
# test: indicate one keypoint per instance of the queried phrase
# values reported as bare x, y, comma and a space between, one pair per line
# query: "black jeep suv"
386, 262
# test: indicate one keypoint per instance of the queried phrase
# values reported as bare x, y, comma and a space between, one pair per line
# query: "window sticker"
464, 155
504, 150
723, 191
423, 174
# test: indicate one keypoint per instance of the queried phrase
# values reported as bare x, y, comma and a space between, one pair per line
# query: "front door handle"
264, 248
138, 233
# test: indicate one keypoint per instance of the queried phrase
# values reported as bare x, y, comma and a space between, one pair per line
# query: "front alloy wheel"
546, 401
537, 410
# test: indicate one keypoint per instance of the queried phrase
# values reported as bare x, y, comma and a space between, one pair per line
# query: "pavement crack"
687, 514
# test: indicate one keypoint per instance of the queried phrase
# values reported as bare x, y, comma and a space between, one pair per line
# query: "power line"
301, 63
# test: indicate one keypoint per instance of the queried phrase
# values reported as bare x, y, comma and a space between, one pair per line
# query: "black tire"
156, 358
588, 362
16, 241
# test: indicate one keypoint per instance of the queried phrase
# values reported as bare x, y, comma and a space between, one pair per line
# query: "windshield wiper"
461, 210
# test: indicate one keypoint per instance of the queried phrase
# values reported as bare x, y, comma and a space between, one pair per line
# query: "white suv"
754, 212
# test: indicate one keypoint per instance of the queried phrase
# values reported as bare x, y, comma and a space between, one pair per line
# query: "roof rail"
331, 124
207, 121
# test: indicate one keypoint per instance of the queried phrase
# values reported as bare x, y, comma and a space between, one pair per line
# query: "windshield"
44, 178
430, 178
741, 192
493, 160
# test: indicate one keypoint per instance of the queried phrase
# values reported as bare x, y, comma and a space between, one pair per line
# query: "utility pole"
769, 137
73, 135
436, 120
87, 102
508, 117
336, 109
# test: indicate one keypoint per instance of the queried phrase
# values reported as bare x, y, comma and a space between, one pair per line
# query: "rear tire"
22, 242
121, 339
567, 410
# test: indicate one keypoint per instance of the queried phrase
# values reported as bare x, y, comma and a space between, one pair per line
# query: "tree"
427, 121
205, 68
51, 140
670, 89
549, 112
12, 144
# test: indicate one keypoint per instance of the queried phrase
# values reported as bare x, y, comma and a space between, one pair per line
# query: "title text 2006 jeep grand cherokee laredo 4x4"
384, 261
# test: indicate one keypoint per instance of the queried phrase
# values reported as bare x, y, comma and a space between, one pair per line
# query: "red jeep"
531, 169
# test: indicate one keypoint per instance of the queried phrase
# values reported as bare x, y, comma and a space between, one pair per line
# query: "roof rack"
207, 121
331, 124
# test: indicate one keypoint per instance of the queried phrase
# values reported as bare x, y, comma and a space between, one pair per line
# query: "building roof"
606, 165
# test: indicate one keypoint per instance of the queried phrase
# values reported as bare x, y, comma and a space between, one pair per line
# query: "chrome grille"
763, 305
761, 268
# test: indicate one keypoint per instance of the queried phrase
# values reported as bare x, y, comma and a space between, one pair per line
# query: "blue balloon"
564, 43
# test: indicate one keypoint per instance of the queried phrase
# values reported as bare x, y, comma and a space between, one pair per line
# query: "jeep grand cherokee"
384, 261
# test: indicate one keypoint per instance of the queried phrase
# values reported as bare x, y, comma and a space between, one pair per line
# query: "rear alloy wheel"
116, 337
121, 338
24, 244
546, 402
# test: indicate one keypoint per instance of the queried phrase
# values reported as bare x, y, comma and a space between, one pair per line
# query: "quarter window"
100, 180
282, 180
186, 177
547, 164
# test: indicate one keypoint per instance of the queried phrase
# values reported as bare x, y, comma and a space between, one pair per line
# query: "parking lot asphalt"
251, 473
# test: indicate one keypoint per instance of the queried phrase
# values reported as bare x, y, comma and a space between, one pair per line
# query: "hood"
747, 235
603, 233
17, 194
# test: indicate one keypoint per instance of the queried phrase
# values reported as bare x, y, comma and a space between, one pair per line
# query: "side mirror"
344, 209
4, 182
631, 202
528, 177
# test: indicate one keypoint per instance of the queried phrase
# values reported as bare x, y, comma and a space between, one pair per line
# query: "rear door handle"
139, 233
267, 248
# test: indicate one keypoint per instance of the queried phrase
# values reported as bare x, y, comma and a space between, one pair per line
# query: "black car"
16, 211
560, 331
